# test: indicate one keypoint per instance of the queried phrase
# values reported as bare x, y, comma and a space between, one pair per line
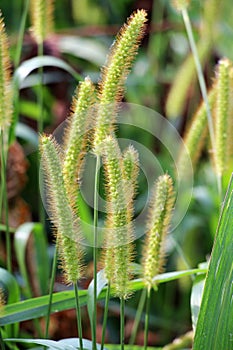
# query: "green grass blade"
130, 347
38, 307
21, 239
9, 287
30, 65
101, 283
68, 343
215, 322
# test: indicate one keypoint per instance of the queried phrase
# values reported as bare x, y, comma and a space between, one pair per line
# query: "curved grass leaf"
38, 307
130, 347
10, 289
87, 49
101, 283
69, 343
215, 322
21, 239
41, 61
196, 297
26, 133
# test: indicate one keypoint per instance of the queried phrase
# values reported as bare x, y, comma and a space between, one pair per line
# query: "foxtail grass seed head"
161, 205
230, 125
42, 21
179, 5
5, 79
76, 138
114, 74
196, 133
131, 165
222, 114
59, 207
119, 221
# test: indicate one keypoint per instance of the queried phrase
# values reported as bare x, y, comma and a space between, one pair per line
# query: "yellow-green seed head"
195, 134
161, 205
131, 166
179, 5
76, 137
41, 12
60, 210
222, 114
118, 255
230, 122
114, 74
5, 79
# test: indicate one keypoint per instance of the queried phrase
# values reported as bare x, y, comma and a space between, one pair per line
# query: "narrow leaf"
36, 62
101, 283
38, 307
215, 322
22, 235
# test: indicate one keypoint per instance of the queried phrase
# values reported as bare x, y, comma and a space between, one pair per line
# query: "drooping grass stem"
21, 33
40, 92
5, 201
122, 326
138, 316
107, 298
146, 330
95, 249
2, 344
78, 315
201, 80
53, 275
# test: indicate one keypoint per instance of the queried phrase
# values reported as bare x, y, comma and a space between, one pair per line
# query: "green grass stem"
201, 80
107, 298
146, 331
122, 327
95, 249
53, 275
5, 202
138, 316
79, 317
2, 344
21, 34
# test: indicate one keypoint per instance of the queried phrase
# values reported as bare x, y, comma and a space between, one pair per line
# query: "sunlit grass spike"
5, 79
222, 114
41, 12
60, 210
179, 5
196, 134
118, 222
76, 138
114, 74
161, 205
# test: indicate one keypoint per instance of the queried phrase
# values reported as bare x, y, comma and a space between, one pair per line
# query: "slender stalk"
53, 275
122, 329
95, 250
2, 344
201, 80
5, 203
138, 317
78, 315
105, 315
146, 331
21, 33
40, 93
